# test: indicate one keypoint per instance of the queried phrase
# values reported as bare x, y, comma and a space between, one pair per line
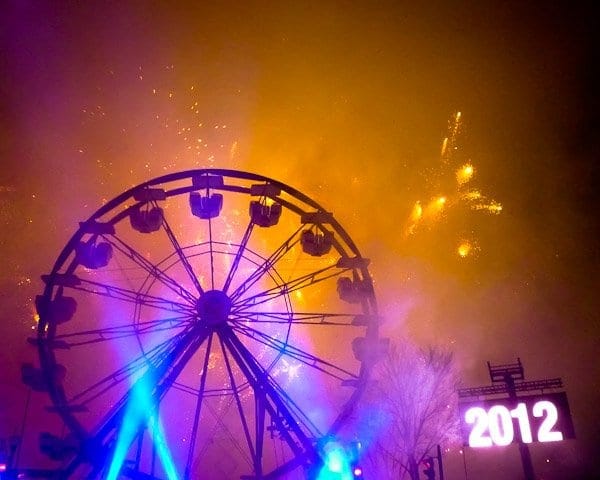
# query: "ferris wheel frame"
209, 314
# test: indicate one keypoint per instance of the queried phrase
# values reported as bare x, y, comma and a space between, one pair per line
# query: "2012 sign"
534, 418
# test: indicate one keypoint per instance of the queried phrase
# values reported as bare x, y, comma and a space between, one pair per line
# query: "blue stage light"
337, 464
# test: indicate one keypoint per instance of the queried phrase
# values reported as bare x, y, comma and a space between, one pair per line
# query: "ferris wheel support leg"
297, 440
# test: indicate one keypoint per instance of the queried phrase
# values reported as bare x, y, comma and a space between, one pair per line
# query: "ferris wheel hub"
213, 308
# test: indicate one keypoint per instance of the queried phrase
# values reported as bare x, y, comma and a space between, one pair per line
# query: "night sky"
348, 102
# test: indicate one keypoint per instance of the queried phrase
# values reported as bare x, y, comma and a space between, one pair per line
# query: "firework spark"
168, 123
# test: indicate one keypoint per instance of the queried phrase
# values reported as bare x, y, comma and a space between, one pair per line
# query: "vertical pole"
259, 431
18, 456
523, 447
526, 461
440, 465
464, 455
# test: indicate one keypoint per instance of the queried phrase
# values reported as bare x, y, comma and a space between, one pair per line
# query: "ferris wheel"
206, 324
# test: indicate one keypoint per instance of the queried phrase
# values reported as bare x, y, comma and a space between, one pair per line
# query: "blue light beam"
141, 411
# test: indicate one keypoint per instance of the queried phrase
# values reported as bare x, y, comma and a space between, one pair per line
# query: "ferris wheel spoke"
296, 318
125, 372
208, 392
296, 353
199, 400
181, 254
149, 267
126, 295
295, 408
120, 331
238, 256
266, 266
288, 287
219, 416
238, 402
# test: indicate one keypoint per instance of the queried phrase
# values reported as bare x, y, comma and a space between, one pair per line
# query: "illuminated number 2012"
495, 426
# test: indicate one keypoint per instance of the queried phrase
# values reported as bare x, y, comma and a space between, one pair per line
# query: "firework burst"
451, 188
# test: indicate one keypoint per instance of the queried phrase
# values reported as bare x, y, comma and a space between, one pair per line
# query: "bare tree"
410, 409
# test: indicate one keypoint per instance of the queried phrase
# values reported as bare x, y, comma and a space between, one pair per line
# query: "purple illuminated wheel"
207, 324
